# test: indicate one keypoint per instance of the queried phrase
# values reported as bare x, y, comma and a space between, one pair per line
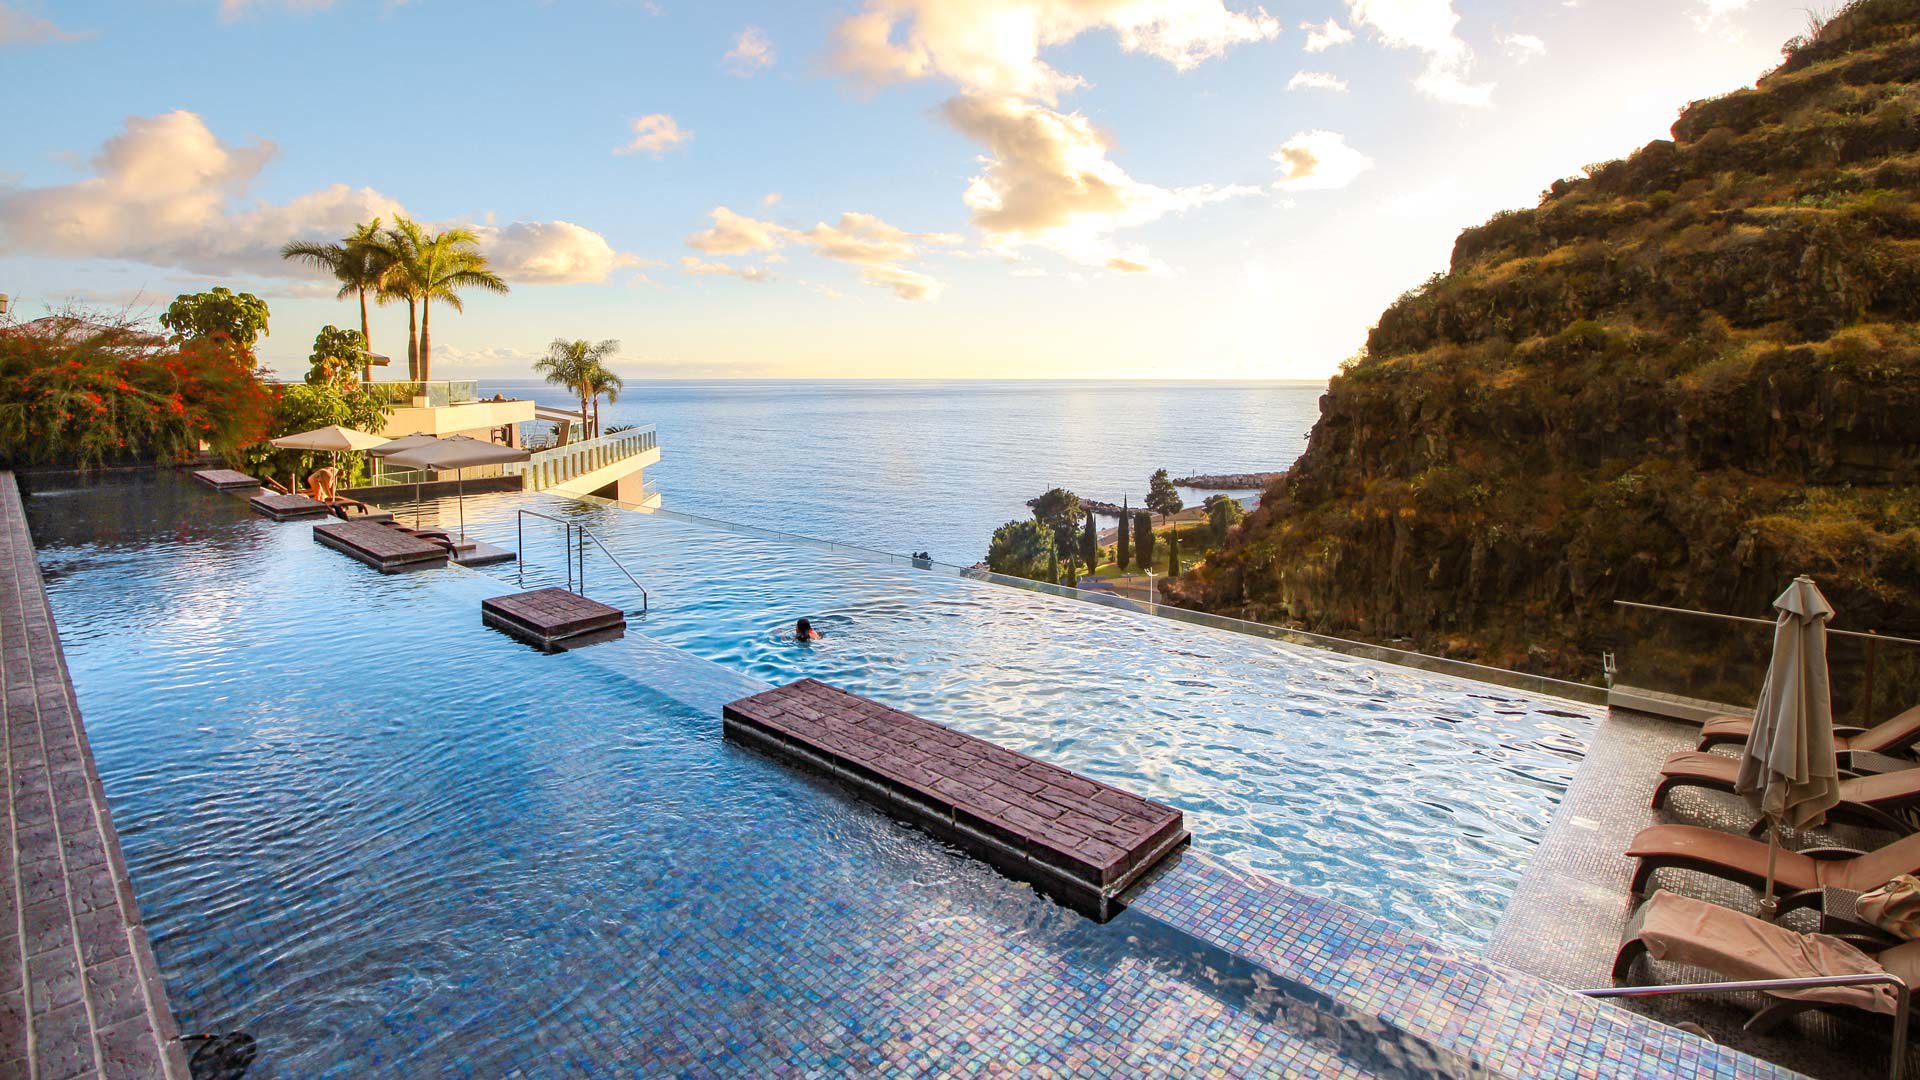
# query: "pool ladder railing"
577, 536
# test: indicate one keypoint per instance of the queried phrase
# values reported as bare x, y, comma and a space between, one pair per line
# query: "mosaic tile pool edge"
1505, 1021
86, 998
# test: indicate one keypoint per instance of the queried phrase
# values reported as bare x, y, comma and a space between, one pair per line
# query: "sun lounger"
1896, 736
1867, 800
1798, 875
1683, 930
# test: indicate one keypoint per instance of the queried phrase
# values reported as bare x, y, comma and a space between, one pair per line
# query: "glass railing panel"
438, 393
1720, 659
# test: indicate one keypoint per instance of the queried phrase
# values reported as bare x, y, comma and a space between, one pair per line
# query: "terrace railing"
551, 468
439, 393
1720, 660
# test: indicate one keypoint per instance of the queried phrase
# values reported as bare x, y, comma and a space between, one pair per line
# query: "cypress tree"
1123, 553
1053, 565
1173, 553
1090, 544
1143, 540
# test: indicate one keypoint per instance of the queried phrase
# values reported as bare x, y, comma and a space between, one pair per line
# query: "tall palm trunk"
413, 341
586, 428
426, 339
366, 339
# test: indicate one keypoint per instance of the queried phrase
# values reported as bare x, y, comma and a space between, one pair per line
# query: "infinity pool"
390, 843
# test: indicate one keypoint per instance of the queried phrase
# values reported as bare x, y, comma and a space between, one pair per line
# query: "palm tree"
578, 365
438, 267
601, 381
397, 247
357, 262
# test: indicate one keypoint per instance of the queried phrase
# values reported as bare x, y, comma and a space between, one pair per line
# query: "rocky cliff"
1682, 378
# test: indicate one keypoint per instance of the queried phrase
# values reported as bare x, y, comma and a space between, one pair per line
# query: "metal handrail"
1902, 997
571, 558
1868, 634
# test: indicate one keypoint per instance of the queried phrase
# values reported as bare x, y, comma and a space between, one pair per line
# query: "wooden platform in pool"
553, 619
382, 547
287, 507
225, 479
1079, 840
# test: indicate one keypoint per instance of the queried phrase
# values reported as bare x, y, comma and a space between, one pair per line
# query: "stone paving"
79, 993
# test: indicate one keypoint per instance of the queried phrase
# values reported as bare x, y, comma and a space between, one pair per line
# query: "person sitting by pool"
804, 631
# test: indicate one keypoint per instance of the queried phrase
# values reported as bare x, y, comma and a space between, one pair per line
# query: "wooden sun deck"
1077, 839
382, 547
225, 479
287, 507
553, 619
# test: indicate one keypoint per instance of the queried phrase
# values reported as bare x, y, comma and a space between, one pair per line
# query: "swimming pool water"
391, 843
1405, 793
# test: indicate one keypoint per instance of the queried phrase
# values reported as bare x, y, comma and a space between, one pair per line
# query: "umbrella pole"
1769, 904
460, 482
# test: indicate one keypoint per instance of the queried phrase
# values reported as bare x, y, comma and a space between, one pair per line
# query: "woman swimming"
804, 631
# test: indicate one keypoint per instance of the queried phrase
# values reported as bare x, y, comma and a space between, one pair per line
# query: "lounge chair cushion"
1683, 930
1729, 726
1904, 961
1792, 871
1892, 736
1704, 764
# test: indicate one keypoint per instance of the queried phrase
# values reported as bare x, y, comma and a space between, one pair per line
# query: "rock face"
1682, 378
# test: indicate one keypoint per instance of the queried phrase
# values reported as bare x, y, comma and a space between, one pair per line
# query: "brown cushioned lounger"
1682, 930
1797, 875
1865, 800
1898, 735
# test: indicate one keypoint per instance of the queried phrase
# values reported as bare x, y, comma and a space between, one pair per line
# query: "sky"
1190, 189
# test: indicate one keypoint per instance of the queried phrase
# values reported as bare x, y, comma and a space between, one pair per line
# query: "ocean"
937, 466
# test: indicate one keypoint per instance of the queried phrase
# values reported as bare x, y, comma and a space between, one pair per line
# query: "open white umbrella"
332, 439
1788, 771
400, 446
459, 453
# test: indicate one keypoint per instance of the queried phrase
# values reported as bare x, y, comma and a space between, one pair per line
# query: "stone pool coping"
80, 994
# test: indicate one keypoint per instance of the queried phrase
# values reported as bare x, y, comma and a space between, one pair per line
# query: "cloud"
1427, 26
770, 199
233, 9
1318, 161
1317, 80
992, 47
551, 253
752, 53
701, 267
862, 240
1523, 47
1713, 14
167, 192
1047, 181
655, 133
737, 234
19, 28
1324, 36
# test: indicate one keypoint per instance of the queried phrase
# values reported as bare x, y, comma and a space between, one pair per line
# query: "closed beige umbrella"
1788, 771
459, 453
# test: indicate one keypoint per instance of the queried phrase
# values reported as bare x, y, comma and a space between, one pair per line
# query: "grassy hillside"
1682, 378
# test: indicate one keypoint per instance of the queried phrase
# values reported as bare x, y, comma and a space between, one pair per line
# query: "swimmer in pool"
803, 631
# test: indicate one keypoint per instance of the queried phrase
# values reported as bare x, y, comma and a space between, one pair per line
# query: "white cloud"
751, 53
19, 28
1523, 47
1326, 35
655, 133
233, 9
701, 267
1713, 14
1317, 80
862, 240
1427, 26
771, 199
551, 253
167, 192
1318, 161
993, 47
1046, 181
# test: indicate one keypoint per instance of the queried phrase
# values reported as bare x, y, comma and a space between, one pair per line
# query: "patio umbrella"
332, 439
400, 446
1788, 771
459, 453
